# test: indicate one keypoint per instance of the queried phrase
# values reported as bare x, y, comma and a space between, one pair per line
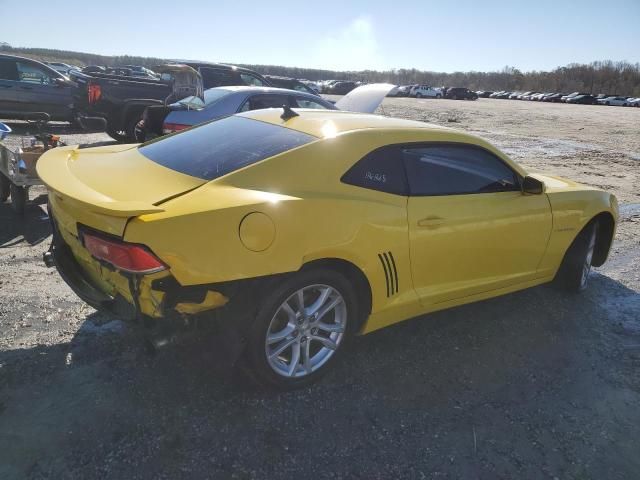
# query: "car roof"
250, 89
256, 89
316, 122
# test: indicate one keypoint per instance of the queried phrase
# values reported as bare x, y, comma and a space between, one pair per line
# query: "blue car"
219, 102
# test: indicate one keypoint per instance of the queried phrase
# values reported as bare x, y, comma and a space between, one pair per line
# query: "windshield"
216, 148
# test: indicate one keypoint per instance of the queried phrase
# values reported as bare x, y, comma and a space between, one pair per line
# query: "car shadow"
497, 369
33, 227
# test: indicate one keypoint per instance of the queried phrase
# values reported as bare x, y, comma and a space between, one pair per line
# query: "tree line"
611, 77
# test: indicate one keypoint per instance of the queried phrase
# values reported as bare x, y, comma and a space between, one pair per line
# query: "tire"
117, 135
128, 135
438, 95
573, 274
454, 97
19, 196
418, 95
294, 357
4, 188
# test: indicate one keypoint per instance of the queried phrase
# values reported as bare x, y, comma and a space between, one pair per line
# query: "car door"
471, 229
10, 95
40, 92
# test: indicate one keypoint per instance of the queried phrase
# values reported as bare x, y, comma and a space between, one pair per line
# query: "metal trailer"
18, 166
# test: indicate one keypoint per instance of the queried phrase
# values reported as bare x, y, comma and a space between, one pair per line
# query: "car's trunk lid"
105, 186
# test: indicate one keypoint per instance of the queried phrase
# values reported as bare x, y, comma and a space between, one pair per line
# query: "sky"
427, 35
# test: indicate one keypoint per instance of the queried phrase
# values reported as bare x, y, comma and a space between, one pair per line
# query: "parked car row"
428, 91
583, 98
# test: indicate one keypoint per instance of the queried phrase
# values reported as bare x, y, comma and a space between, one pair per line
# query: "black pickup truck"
121, 100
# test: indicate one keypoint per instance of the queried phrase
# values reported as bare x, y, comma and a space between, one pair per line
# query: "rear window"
222, 146
214, 94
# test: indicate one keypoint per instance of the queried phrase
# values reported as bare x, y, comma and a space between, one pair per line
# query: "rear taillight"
173, 127
129, 257
94, 92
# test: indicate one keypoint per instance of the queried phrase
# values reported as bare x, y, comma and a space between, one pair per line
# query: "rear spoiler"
53, 170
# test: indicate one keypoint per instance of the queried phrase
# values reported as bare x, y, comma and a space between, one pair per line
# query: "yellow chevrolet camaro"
301, 228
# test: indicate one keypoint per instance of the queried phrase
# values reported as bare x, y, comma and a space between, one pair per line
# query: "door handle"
431, 222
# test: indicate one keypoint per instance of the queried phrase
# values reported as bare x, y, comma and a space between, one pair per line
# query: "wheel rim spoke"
289, 311
282, 334
300, 300
306, 358
282, 348
333, 304
322, 298
327, 342
330, 327
295, 359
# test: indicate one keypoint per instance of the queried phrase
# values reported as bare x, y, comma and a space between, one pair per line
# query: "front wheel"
573, 274
438, 96
301, 328
418, 95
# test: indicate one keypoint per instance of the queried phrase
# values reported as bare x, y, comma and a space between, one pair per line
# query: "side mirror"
532, 185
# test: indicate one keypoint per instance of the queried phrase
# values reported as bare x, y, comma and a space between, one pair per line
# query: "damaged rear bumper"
150, 300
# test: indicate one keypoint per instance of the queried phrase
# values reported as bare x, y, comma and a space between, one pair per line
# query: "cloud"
354, 47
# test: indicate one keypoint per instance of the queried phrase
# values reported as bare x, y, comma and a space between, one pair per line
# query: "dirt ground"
533, 385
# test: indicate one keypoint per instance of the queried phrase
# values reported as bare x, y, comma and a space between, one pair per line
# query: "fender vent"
390, 272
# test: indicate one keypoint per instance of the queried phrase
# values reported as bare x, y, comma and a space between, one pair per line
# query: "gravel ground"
532, 385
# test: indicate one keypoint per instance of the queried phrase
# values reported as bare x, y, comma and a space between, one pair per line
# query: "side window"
303, 102
32, 74
264, 101
8, 70
212, 77
380, 170
456, 170
251, 80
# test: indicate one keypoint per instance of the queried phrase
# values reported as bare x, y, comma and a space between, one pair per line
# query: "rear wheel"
117, 135
418, 95
128, 135
4, 188
573, 274
438, 95
301, 328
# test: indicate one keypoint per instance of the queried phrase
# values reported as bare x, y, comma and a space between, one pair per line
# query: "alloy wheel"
306, 331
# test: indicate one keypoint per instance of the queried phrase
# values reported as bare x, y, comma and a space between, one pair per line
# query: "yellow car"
301, 228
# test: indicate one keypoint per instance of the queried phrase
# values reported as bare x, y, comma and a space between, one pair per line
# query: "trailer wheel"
4, 188
19, 196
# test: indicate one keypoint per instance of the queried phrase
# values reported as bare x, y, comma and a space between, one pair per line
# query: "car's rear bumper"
61, 256
147, 299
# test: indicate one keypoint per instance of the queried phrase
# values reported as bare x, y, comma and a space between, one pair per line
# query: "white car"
634, 102
617, 101
420, 91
